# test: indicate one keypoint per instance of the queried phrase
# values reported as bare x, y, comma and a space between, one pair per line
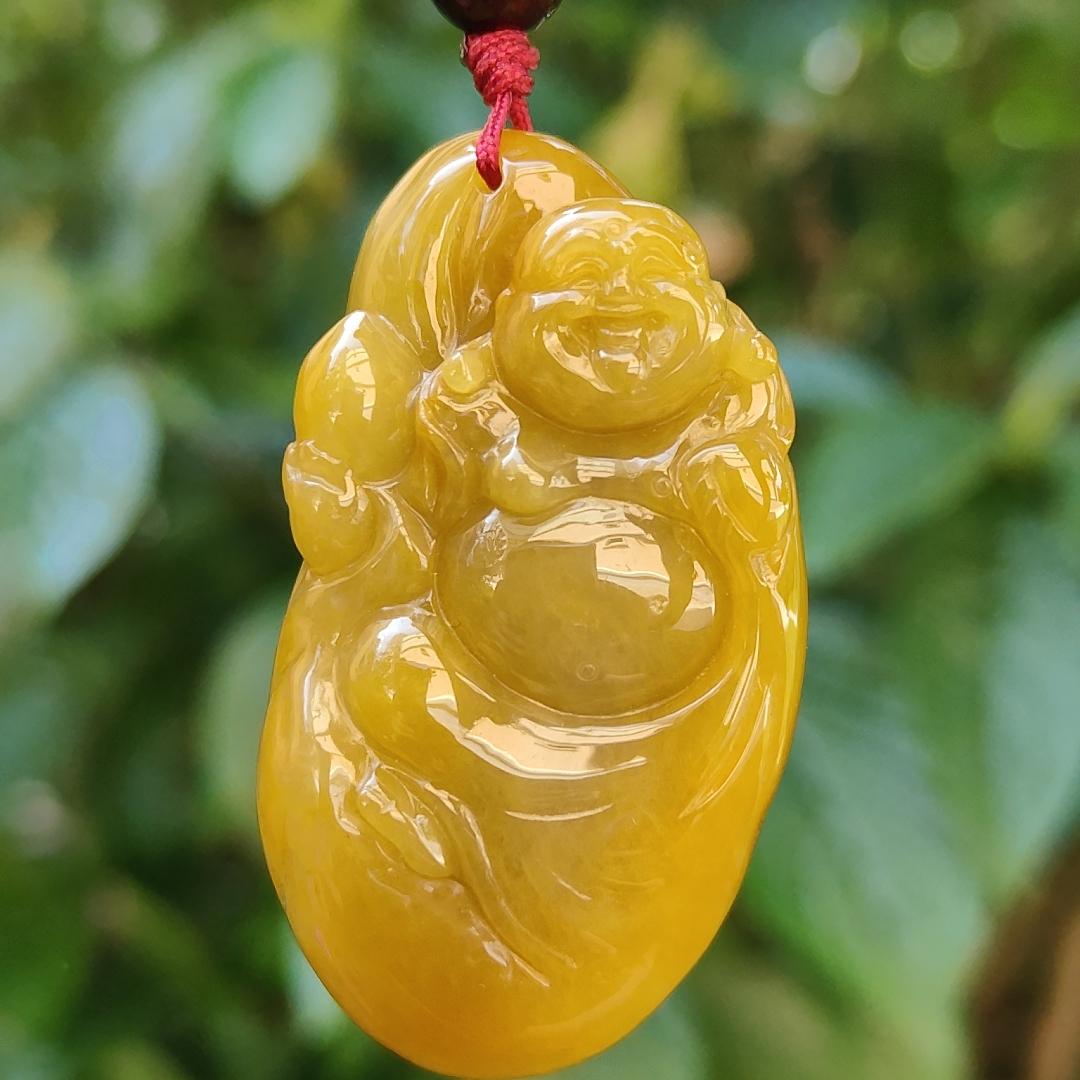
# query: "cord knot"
502, 63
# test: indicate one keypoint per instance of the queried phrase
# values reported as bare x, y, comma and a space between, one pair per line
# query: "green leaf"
73, 480
37, 324
979, 639
941, 609
281, 121
164, 149
870, 475
857, 869
1047, 390
234, 703
316, 1014
765, 1023
828, 378
1065, 467
165, 153
1033, 683
436, 79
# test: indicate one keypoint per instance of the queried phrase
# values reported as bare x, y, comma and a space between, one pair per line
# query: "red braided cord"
502, 63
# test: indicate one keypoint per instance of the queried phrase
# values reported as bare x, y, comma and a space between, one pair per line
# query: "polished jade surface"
539, 674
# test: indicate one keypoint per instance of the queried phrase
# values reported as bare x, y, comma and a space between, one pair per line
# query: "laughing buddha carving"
538, 677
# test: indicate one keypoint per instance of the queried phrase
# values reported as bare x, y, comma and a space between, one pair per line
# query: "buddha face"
610, 320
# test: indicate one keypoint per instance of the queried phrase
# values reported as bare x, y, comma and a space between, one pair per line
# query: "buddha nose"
619, 285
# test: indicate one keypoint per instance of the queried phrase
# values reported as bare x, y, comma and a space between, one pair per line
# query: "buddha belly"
600, 609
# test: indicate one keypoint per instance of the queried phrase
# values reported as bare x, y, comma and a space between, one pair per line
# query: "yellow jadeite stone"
539, 674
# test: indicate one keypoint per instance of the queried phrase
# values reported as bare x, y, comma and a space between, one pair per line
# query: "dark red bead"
476, 16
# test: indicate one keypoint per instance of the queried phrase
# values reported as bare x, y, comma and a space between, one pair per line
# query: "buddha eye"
582, 280
587, 268
655, 267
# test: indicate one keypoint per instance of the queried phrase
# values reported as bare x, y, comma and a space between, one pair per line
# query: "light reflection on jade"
539, 674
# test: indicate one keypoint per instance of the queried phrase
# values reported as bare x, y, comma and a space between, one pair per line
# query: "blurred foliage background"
892, 189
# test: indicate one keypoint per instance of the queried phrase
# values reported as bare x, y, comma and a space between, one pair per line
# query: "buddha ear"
716, 304
750, 353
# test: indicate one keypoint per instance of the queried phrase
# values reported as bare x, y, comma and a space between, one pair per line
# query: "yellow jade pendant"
538, 677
